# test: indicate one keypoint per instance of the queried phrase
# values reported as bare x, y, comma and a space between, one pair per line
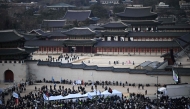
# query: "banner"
15, 95
175, 76
44, 96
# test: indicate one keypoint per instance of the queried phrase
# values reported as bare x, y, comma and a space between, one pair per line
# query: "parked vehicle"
175, 91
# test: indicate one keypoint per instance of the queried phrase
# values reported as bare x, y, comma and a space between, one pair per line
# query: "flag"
15, 95
92, 74
89, 96
44, 96
175, 76
52, 79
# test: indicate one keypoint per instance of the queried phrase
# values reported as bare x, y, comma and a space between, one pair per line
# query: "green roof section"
61, 5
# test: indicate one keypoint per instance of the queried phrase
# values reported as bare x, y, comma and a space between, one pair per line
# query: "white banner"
15, 95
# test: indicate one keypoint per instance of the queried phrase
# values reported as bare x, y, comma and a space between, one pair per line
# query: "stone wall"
20, 72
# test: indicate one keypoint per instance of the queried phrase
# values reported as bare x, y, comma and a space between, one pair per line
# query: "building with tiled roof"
135, 13
140, 18
80, 16
12, 51
52, 25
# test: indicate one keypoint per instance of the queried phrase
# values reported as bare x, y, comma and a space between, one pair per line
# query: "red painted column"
83, 49
47, 49
145, 50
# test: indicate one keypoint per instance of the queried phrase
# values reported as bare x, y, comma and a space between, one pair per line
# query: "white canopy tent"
78, 95
118, 93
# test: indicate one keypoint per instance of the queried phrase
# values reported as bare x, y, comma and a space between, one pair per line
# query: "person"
123, 85
145, 92
127, 90
54, 85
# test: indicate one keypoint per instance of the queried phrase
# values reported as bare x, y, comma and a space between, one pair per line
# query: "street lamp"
156, 90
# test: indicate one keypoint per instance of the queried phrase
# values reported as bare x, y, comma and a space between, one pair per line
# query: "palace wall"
75, 74
21, 72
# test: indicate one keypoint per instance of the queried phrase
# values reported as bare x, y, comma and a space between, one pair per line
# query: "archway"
9, 76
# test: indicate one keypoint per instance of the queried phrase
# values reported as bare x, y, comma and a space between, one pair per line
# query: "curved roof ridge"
78, 10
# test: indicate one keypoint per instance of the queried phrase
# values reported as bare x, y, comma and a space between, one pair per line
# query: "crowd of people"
35, 99
61, 58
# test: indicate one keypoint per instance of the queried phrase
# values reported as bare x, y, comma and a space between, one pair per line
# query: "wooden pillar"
123, 50
47, 48
57, 49
139, 50
150, 50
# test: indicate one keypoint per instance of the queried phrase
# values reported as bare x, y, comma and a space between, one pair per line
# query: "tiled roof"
30, 37
105, 68
56, 34
54, 23
66, 65
183, 38
10, 35
79, 32
38, 43
124, 70
137, 44
136, 12
79, 42
78, 66
156, 34
12, 51
171, 27
159, 73
54, 64
43, 63
141, 22
138, 71
115, 25
166, 20
90, 67
114, 33
61, 5
79, 15
39, 32
95, 27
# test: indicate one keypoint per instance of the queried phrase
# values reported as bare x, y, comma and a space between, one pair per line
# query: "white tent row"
89, 94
